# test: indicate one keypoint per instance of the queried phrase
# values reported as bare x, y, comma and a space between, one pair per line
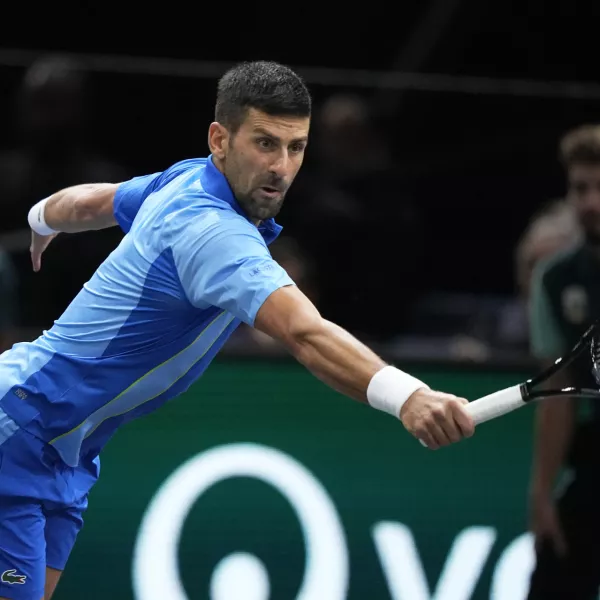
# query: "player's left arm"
87, 207
78, 208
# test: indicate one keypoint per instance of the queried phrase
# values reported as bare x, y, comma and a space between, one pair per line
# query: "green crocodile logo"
10, 577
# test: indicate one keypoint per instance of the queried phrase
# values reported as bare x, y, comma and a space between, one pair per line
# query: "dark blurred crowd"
51, 151
347, 207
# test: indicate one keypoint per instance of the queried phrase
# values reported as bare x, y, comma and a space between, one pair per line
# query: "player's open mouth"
270, 191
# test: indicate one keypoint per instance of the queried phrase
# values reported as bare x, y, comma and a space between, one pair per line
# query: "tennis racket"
505, 401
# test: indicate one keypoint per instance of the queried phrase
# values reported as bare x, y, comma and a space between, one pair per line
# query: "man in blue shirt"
193, 265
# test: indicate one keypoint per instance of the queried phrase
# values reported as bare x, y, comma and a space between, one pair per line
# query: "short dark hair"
581, 146
266, 86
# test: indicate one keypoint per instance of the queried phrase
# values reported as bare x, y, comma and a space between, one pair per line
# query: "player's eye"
297, 147
265, 143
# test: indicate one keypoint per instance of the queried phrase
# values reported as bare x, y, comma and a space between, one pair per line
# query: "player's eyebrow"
266, 133
259, 130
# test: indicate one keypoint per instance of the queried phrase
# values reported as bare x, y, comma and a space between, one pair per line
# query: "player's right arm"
554, 420
345, 364
222, 261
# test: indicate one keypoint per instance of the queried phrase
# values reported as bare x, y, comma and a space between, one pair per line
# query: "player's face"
584, 193
263, 159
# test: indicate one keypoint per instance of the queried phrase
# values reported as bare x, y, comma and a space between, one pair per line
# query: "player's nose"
281, 166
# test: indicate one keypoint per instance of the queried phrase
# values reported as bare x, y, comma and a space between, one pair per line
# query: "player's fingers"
462, 418
452, 430
32, 251
438, 433
444, 418
36, 259
427, 439
36, 252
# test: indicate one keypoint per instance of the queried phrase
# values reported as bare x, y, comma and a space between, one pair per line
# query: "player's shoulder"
195, 197
187, 165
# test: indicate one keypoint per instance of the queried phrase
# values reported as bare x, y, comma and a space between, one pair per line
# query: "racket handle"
496, 404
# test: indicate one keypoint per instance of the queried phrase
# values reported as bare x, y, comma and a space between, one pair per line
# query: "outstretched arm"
345, 364
222, 261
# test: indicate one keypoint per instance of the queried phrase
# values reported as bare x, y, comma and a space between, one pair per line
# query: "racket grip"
496, 404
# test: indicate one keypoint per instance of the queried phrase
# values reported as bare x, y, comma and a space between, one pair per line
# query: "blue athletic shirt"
189, 270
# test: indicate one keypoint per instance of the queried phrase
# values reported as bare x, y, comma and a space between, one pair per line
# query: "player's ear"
218, 137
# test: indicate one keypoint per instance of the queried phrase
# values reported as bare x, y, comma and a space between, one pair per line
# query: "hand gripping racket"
504, 401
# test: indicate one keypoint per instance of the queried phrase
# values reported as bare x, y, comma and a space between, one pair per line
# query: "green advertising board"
262, 483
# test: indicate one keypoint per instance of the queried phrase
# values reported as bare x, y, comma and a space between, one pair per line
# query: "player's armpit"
287, 315
328, 351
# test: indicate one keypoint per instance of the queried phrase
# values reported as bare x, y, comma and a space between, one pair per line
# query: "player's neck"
219, 165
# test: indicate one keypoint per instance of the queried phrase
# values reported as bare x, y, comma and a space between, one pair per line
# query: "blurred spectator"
501, 328
564, 294
349, 211
552, 229
53, 151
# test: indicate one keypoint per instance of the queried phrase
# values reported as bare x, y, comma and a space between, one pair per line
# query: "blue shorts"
41, 506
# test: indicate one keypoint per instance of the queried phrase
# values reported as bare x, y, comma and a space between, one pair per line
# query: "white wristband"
36, 219
390, 388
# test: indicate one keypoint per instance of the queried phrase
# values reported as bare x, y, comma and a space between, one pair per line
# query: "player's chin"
267, 205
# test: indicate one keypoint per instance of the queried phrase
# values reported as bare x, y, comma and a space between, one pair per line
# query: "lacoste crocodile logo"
10, 577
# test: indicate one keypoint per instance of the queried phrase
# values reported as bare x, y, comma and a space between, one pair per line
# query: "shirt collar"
216, 184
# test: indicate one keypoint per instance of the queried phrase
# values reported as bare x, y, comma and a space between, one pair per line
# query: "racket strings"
595, 349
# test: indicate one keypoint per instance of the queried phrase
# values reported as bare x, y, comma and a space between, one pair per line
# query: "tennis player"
193, 265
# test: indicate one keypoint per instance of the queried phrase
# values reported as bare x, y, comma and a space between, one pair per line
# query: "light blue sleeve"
223, 261
130, 196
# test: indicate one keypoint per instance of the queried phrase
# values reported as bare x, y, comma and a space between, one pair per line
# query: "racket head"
586, 354
594, 333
